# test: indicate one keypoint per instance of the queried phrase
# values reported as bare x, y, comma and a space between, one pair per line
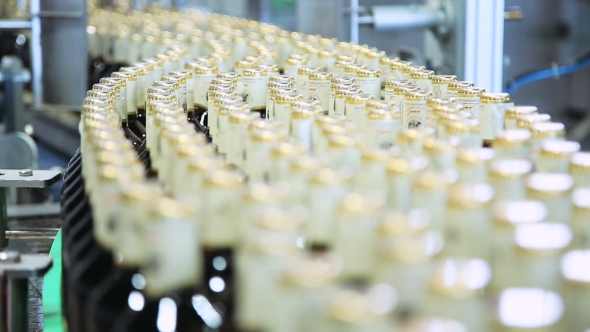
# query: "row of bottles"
298, 183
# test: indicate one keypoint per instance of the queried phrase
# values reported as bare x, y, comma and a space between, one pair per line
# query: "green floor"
52, 291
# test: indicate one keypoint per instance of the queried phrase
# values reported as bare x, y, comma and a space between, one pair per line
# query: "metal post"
12, 76
3, 218
18, 304
354, 21
36, 54
15, 271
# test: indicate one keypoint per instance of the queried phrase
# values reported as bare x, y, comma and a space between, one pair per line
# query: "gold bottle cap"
412, 247
304, 163
514, 213
379, 115
301, 113
251, 72
547, 130
543, 311
232, 99
107, 87
341, 93
224, 81
224, 178
264, 124
403, 90
287, 98
359, 99
510, 168
469, 196
121, 82
157, 89
580, 162
377, 104
514, 112
144, 65
470, 92
422, 74
432, 102
559, 149
287, 150
291, 62
432, 324
101, 93
393, 83
461, 278
314, 271
267, 136
170, 208
306, 70
356, 309
437, 146
526, 121
356, 203
99, 101
409, 69
457, 85
395, 65
443, 79
325, 176
512, 137
415, 221
386, 61
341, 64
492, 98
415, 96
227, 109
173, 84
535, 238
439, 110
368, 73
340, 141
413, 135
283, 79
206, 70
399, 166
161, 96
142, 193
181, 79
455, 127
320, 76
549, 183
276, 218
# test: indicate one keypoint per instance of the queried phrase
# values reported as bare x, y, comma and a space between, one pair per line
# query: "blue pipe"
548, 73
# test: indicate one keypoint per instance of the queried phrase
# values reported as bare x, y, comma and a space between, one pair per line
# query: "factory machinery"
234, 176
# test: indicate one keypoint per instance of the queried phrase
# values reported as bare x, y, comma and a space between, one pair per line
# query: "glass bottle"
255, 89
553, 189
456, 292
440, 85
512, 144
220, 234
580, 169
508, 215
508, 177
454, 87
544, 310
429, 194
423, 79
325, 190
555, 156
468, 221
581, 214
512, 114
574, 269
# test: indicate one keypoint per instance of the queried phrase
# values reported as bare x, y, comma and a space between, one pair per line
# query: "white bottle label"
238, 135
491, 120
440, 90
414, 114
381, 133
388, 94
282, 112
370, 85
173, 246
220, 226
201, 88
255, 91
357, 114
340, 105
319, 90
302, 84
471, 105
331, 102
424, 84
